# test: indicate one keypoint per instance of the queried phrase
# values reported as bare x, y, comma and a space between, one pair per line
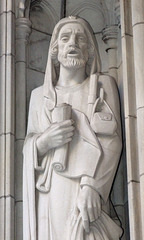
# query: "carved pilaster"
110, 35
138, 41
23, 30
7, 119
24, 8
22, 33
130, 79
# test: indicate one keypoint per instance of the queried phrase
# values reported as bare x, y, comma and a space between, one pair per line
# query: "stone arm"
111, 145
45, 135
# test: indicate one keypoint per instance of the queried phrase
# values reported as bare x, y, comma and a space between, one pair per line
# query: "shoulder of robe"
106, 81
109, 85
37, 92
36, 97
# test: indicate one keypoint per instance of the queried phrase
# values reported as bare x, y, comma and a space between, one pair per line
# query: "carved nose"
72, 41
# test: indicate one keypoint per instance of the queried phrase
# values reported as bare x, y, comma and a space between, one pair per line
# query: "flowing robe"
49, 197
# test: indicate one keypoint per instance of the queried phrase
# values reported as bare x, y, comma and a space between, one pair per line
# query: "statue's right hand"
56, 135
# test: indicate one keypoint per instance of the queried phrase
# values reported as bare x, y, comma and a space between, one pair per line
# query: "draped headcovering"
52, 69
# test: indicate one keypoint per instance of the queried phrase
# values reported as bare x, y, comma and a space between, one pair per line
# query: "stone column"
131, 123
138, 41
22, 33
7, 120
110, 38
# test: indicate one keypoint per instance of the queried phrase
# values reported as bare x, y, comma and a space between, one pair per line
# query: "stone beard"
71, 62
73, 142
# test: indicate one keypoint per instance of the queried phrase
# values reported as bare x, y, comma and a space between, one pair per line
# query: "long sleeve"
111, 145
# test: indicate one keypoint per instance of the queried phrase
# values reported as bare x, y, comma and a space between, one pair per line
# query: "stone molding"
109, 33
23, 28
92, 5
110, 36
47, 7
23, 8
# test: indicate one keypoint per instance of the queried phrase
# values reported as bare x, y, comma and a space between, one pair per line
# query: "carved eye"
65, 39
81, 39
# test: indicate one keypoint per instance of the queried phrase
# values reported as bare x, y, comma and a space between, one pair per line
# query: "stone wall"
7, 118
25, 33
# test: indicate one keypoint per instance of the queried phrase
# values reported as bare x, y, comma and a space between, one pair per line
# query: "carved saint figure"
73, 142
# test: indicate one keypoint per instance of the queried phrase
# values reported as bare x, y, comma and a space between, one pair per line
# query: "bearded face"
72, 46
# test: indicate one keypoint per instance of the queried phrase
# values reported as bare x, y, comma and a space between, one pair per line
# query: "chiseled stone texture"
138, 31
38, 50
2, 94
138, 39
18, 169
126, 24
37, 57
132, 164
7, 45
2, 34
92, 11
119, 49
128, 72
9, 218
7, 94
132, 53
137, 12
103, 54
44, 15
18, 220
2, 217
90, 173
7, 6
140, 115
2, 169
134, 209
34, 79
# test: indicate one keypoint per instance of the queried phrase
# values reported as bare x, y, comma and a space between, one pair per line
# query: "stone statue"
73, 142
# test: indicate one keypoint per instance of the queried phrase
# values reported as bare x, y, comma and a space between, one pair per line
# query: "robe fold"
50, 197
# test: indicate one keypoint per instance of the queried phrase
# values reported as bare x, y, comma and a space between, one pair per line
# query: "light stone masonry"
24, 41
22, 33
7, 113
132, 51
138, 36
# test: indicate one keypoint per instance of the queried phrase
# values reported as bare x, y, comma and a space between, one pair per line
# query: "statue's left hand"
89, 205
